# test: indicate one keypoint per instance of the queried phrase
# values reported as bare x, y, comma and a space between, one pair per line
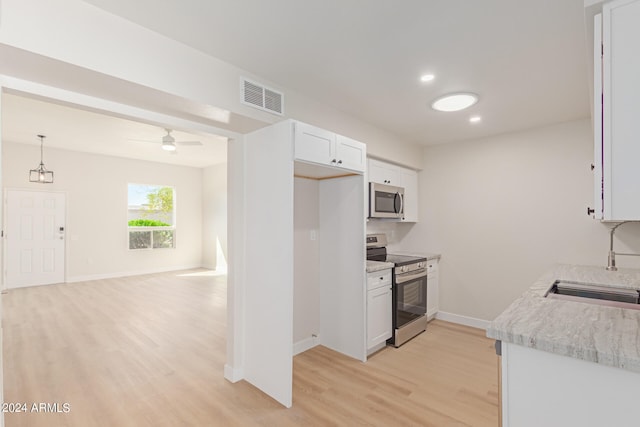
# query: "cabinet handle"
590, 211
382, 278
339, 162
593, 166
333, 161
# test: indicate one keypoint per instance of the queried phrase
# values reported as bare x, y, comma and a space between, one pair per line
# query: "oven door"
410, 297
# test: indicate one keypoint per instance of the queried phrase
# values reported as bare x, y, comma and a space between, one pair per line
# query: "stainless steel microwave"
385, 201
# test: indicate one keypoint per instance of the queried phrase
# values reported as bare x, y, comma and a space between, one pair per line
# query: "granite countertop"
373, 266
429, 256
595, 333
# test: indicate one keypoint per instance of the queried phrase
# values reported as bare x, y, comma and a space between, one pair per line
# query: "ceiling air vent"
258, 96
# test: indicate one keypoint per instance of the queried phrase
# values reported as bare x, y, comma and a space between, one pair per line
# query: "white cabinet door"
620, 147
432, 289
322, 147
314, 144
383, 173
351, 154
379, 322
409, 181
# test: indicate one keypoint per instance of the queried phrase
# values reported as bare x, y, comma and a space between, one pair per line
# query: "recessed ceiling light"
455, 102
427, 77
475, 119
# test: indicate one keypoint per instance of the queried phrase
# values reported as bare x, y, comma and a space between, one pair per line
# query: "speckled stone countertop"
596, 333
373, 266
429, 257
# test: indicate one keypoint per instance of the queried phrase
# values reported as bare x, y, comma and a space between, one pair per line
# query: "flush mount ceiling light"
455, 102
475, 119
41, 175
427, 78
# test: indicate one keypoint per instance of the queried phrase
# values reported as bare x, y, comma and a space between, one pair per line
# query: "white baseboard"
305, 344
103, 276
233, 374
376, 348
463, 320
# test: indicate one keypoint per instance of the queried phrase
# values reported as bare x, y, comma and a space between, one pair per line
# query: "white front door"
35, 238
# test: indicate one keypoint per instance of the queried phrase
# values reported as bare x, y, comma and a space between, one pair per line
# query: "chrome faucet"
611, 262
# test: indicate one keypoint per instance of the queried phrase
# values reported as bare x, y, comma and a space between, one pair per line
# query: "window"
151, 216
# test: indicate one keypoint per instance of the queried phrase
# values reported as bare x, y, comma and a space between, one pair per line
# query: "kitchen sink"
593, 293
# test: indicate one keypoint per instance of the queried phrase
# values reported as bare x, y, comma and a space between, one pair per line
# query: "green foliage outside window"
161, 200
147, 223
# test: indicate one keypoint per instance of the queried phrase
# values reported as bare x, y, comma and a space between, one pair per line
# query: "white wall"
502, 210
96, 188
214, 217
306, 280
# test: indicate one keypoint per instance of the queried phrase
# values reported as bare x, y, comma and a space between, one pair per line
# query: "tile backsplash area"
395, 231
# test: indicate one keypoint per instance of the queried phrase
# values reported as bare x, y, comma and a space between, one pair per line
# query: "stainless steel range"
409, 289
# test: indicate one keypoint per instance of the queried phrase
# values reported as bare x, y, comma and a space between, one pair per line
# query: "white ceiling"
527, 59
80, 130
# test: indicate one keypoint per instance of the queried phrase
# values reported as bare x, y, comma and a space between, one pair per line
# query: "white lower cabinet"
379, 308
547, 389
432, 288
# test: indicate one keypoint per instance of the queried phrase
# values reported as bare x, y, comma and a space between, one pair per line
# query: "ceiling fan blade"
188, 142
143, 140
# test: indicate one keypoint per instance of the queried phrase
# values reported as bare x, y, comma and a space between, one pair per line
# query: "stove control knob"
404, 269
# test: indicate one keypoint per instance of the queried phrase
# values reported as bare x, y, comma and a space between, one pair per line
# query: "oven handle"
404, 278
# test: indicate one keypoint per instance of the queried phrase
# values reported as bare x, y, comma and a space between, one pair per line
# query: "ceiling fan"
169, 142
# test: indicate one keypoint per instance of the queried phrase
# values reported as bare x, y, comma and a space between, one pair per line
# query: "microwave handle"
401, 203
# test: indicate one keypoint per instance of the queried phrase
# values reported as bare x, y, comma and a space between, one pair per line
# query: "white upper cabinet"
383, 173
320, 146
390, 174
409, 181
350, 154
617, 128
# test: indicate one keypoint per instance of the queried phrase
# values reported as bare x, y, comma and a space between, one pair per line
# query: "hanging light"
41, 174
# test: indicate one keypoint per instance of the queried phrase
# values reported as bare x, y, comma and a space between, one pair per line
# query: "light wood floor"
150, 351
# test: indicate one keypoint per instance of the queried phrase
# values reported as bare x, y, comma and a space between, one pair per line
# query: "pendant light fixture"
41, 174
